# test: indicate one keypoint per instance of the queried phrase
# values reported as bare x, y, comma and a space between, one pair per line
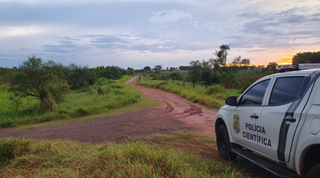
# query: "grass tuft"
56, 158
213, 97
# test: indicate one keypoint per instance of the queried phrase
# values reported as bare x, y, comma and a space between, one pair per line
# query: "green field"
83, 102
213, 97
57, 158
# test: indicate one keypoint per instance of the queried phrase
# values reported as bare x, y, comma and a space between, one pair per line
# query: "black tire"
223, 144
314, 171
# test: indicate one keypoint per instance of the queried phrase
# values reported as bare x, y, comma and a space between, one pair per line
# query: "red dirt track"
178, 115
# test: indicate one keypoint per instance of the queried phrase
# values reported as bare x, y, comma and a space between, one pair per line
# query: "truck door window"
288, 89
254, 95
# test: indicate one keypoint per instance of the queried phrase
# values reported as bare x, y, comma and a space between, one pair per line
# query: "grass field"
79, 103
213, 97
57, 158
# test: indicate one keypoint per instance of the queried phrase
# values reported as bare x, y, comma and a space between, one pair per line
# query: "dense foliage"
38, 91
41, 80
306, 57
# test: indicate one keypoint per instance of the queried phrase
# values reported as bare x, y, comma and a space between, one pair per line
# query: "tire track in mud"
193, 110
169, 106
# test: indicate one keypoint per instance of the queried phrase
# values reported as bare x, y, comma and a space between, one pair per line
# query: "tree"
272, 65
306, 57
146, 69
206, 72
79, 76
245, 62
185, 67
173, 69
159, 67
42, 80
130, 71
111, 72
175, 76
236, 60
215, 63
222, 54
195, 73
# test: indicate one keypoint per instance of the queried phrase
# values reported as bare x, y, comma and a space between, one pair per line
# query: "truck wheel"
223, 144
314, 171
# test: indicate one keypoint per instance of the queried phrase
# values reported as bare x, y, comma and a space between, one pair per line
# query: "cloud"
288, 22
275, 29
212, 26
110, 43
194, 23
65, 46
248, 15
169, 16
108, 39
20, 31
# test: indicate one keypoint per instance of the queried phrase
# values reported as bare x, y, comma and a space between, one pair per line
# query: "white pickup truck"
275, 120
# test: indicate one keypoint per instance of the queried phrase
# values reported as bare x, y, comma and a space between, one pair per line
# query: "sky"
171, 33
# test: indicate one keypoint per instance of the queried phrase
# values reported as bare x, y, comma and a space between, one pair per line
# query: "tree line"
217, 71
211, 71
50, 81
306, 57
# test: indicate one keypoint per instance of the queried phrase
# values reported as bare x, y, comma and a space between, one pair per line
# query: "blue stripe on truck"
284, 128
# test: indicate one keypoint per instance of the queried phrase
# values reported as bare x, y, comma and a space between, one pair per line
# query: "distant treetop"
306, 57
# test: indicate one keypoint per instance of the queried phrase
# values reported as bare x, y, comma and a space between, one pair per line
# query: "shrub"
80, 112
215, 89
116, 86
104, 81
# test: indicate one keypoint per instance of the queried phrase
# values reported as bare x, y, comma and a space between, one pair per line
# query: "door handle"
254, 116
289, 119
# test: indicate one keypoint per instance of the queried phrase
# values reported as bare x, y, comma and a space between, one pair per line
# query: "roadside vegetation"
78, 103
38, 92
207, 82
57, 158
213, 96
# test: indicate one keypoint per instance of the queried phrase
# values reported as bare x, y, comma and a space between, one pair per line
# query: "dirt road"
178, 114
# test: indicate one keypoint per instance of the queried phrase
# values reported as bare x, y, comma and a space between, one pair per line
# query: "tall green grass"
56, 158
213, 97
86, 101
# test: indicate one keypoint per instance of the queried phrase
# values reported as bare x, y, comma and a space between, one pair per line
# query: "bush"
116, 86
80, 112
225, 78
215, 89
104, 81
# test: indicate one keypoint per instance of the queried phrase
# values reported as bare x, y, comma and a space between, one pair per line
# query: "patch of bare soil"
192, 114
117, 128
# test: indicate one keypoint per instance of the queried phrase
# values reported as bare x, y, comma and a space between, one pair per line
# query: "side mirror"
231, 101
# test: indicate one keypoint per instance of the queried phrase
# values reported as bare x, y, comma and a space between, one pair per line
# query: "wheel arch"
309, 157
220, 121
